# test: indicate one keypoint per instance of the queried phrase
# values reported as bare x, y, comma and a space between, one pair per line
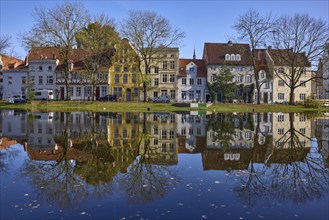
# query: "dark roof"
214, 53
201, 70
284, 57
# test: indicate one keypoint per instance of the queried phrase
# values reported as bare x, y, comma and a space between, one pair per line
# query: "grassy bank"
152, 107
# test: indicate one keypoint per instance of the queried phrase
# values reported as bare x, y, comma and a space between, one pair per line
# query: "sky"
202, 21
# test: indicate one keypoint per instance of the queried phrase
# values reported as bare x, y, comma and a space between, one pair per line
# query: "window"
50, 68
191, 81
183, 131
117, 91
172, 94
155, 130
227, 57
191, 94
134, 69
172, 64
238, 57
156, 69
183, 94
164, 134
164, 78
281, 70
172, 78
136, 92
125, 78
302, 118
198, 94
117, 69
191, 69
156, 141
280, 82
40, 80
302, 84
155, 94
116, 78
40, 68
280, 118
213, 77
164, 64
267, 85
281, 96
104, 90
199, 81
163, 147
302, 96
50, 79
78, 91
71, 90
232, 57
280, 131
262, 74
302, 130
125, 69
23, 80
10, 80
183, 81
156, 81
171, 134
133, 78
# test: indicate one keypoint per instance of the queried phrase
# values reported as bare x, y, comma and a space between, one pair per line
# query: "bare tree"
57, 27
98, 40
299, 41
255, 29
4, 43
150, 33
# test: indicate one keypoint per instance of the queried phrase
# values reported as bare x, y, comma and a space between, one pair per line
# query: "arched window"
232, 57
238, 57
262, 74
227, 57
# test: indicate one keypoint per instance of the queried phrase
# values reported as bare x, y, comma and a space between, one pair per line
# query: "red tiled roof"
53, 53
10, 62
201, 70
214, 53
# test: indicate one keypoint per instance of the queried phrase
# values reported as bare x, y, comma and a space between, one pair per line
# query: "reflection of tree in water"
292, 172
62, 182
6, 154
147, 179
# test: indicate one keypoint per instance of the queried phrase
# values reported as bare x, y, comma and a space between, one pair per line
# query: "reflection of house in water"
41, 131
124, 137
162, 148
13, 124
321, 132
230, 140
191, 132
282, 137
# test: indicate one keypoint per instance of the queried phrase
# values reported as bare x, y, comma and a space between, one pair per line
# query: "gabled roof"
284, 57
214, 53
201, 70
9, 62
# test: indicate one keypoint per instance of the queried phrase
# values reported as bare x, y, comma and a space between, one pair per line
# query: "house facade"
192, 81
124, 73
163, 74
237, 58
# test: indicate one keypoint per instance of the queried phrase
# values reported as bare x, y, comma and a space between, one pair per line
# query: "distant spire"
194, 54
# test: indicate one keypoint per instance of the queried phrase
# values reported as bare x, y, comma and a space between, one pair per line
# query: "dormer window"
238, 57
227, 57
191, 69
232, 57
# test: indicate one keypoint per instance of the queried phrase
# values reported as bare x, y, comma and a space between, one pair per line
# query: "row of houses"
183, 80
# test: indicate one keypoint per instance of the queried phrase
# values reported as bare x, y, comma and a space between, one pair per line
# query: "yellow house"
124, 73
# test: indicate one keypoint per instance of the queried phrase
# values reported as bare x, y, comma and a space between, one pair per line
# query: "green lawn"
152, 107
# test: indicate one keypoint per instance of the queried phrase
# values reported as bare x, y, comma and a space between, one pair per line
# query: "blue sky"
202, 21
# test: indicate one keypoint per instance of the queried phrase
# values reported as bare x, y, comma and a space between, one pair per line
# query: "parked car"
112, 98
164, 99
17, 99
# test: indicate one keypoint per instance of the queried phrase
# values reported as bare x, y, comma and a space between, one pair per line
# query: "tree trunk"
258, 92
144, 91
292, 96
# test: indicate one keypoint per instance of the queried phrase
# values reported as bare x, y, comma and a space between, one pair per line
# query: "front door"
265, 97
62, 93
128, 95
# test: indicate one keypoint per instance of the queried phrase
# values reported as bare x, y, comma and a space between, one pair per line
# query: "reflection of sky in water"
179, 190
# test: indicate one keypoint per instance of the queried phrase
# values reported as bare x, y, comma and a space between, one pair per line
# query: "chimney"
194, 54
230, 43
269, 48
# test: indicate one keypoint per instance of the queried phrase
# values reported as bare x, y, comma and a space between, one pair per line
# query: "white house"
192, 80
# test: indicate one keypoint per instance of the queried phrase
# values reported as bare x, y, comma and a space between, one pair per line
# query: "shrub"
311, 103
